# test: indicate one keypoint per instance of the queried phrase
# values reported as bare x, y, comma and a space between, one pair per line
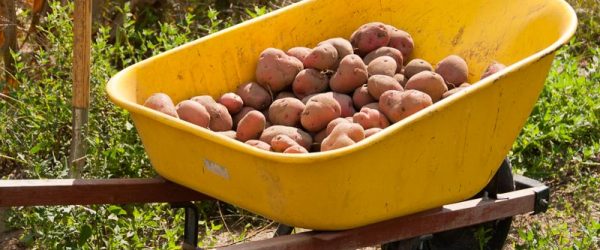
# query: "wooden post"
82, 29
9, 44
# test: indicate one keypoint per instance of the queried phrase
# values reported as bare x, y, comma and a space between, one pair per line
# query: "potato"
383, 65
397, 105
401, 41
280, 143
453, 91
285, 94
369, 37
296, 149
194, 113
453, 69
204, 99
361, 97
251, 126
343, 135
161, 102
229, 133
345, 102
372, 131
351, 73
401, 79
276, 70
220, 119
428, 82
343, 47
331, 125
371, 118
254, 95
492, 69
386, 51
374, 105
319, 111
299, 52
232, 102
302, 138
416, 66
322, 57
237, 117
319, 136
308, 82
378, 84
286, 111
259, 144
350, 119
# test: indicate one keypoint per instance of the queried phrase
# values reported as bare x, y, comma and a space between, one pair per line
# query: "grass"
560, 144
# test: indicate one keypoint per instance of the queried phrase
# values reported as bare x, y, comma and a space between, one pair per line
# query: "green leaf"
84, 234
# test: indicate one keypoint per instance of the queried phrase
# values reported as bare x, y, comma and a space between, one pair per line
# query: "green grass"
560, 144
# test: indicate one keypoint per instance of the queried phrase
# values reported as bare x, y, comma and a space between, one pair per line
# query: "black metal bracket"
542, 192
190, 231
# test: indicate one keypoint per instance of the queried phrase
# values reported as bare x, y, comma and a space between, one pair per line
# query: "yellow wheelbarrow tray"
442, 154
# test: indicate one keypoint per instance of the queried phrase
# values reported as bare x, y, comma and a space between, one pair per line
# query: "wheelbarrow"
443, 154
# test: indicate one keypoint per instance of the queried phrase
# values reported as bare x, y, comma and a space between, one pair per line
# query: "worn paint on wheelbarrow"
443, 154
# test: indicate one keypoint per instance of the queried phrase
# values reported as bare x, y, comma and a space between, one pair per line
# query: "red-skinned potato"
296, 149
371, 118
337, 121
302, 138
386, 51
299, 53
492, 69
361, 97
280, 143
161, 102
453, 69
378, 84
319, 111
372, 131
259, 144
343, 47
416, 66
254, 95
383, 65
194, 113
454, 91
232, 102
286, 111
319, 136
373, 105
343, 135
401, 79
397, 105
428, 82
276, 70
308, 82
203, 99
237, 117
322, 57
351, 73
369, 37
229, 133
251, 126
220, 119
345, 101
285, 94
400, 40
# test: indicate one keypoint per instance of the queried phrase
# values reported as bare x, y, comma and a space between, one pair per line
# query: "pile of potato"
327, 97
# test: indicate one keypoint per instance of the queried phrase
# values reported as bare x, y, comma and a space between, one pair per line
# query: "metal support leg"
190, 232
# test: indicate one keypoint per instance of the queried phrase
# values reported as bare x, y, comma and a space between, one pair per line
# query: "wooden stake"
82, 30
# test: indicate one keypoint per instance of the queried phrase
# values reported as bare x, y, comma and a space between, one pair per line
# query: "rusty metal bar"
87, 192
448, 217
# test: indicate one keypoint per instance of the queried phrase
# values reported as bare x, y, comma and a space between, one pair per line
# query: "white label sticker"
216, 169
